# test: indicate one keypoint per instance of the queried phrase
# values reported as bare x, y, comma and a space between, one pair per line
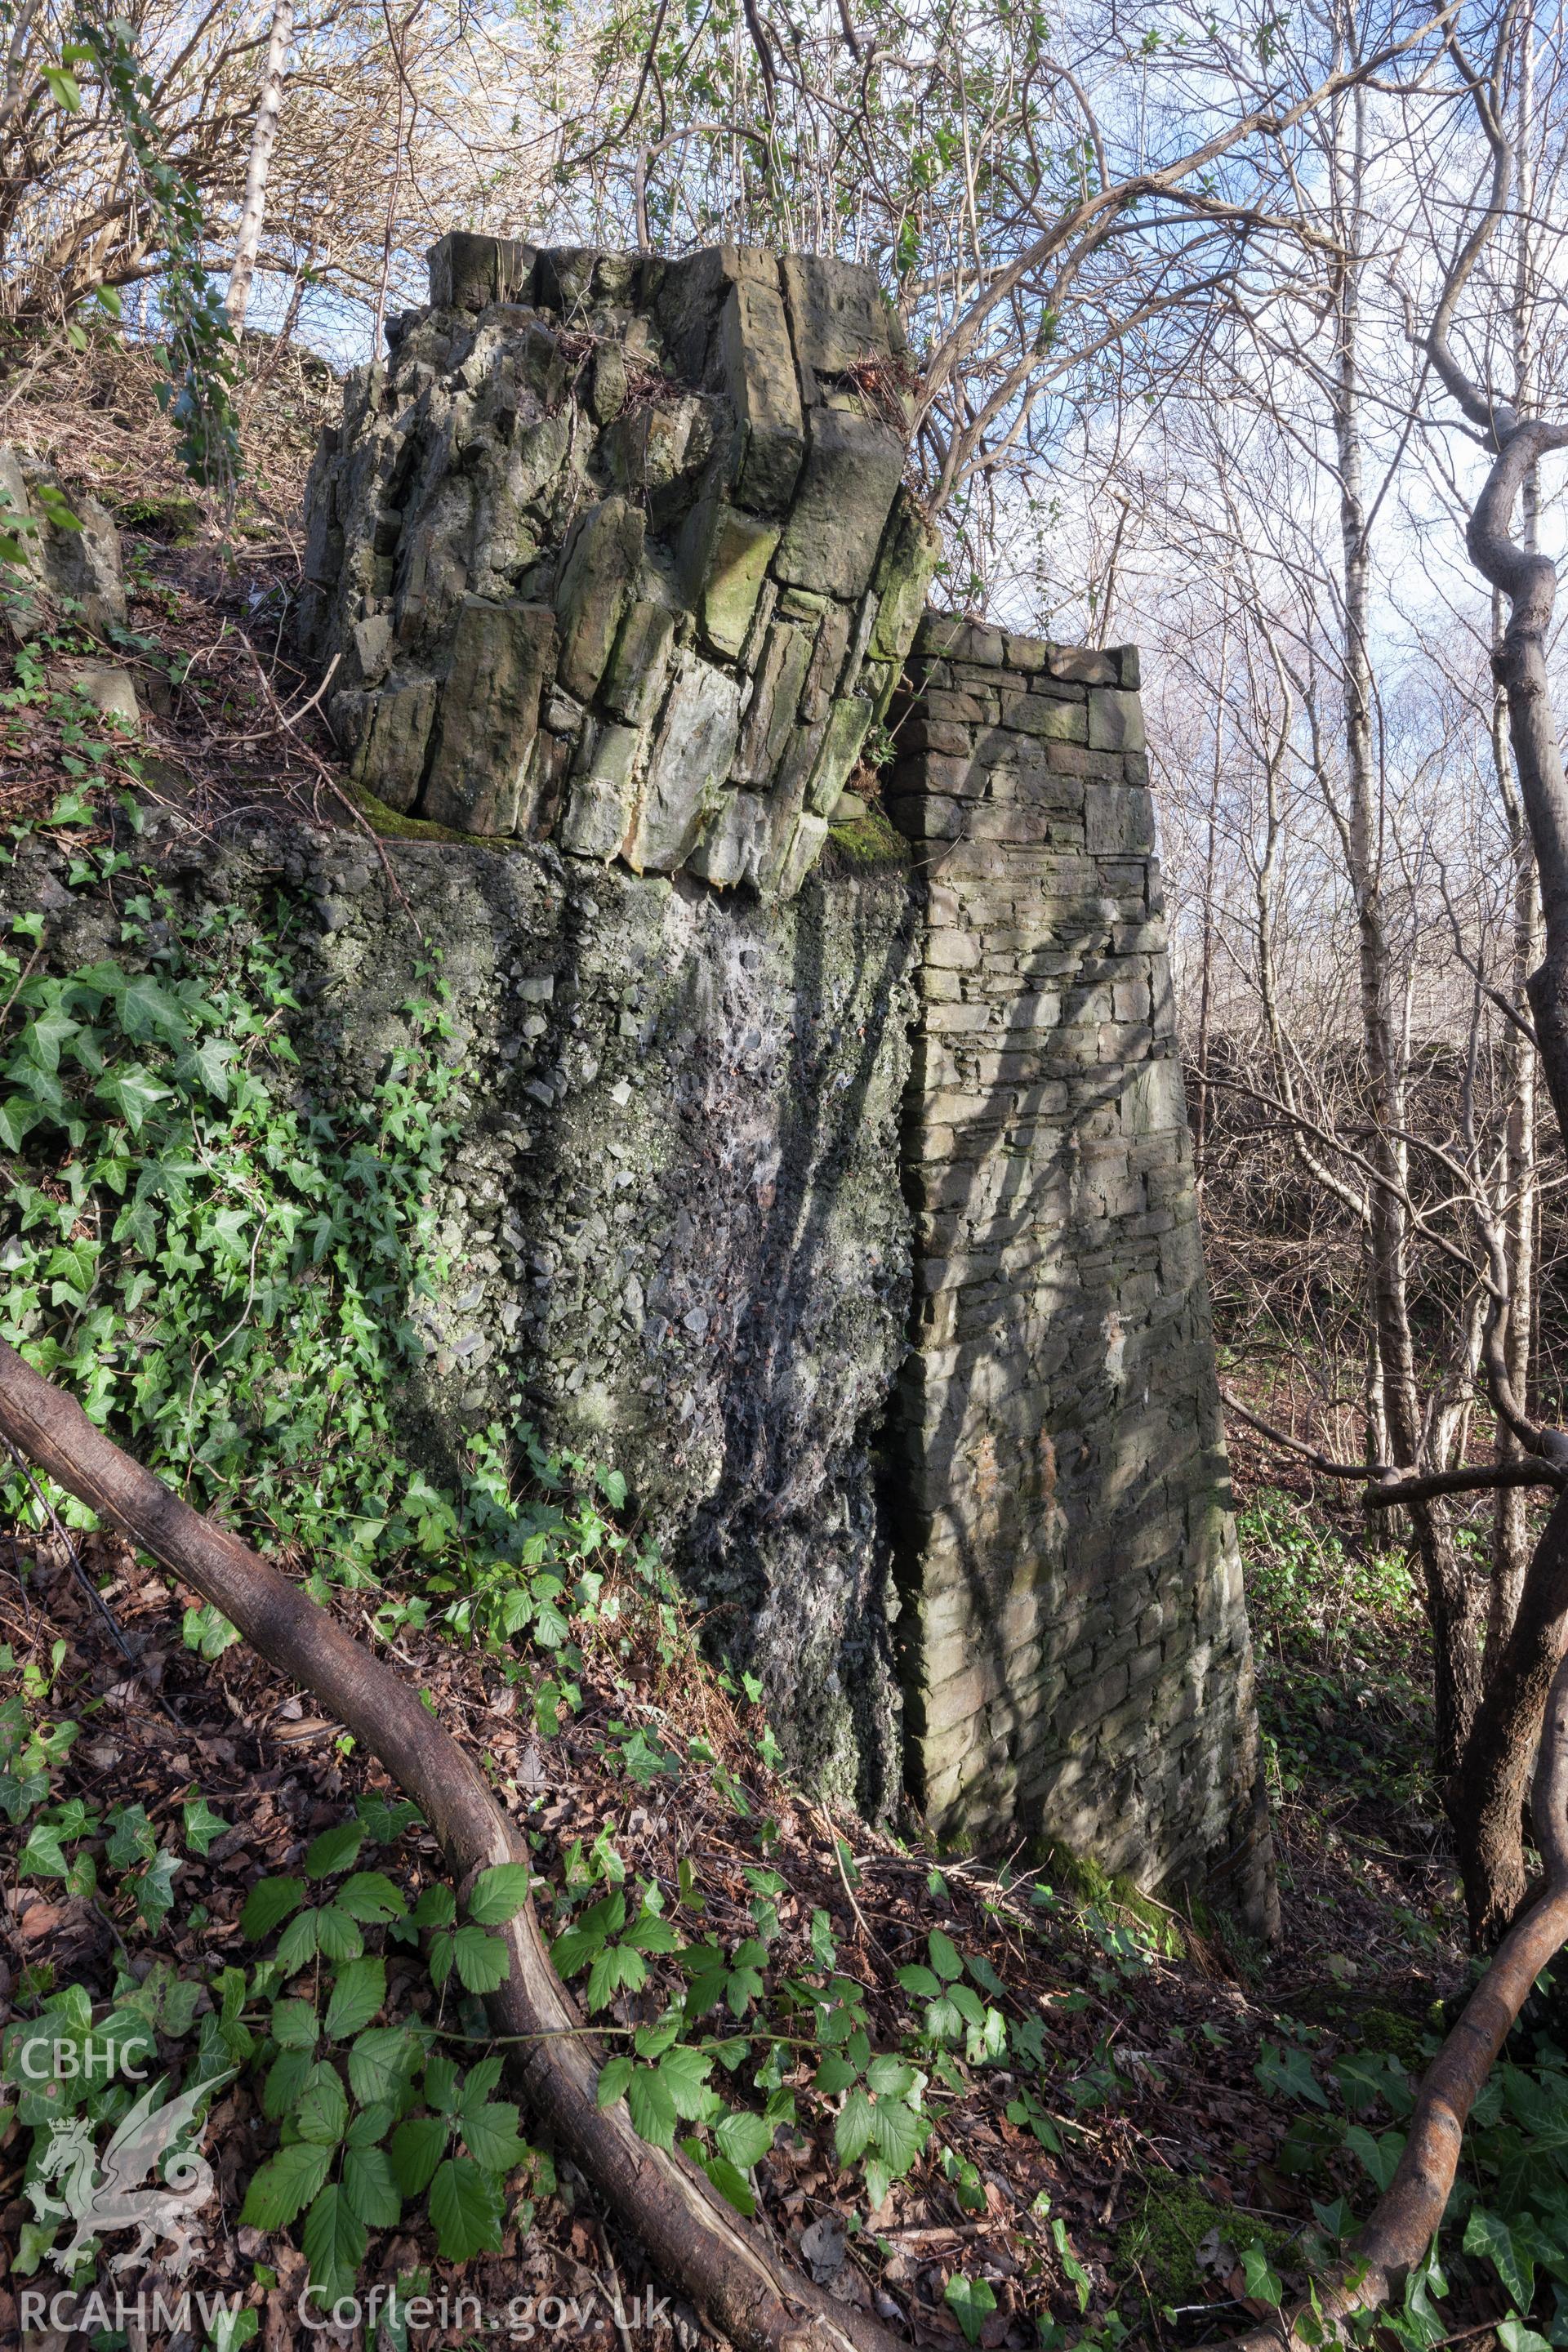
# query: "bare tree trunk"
1522, 1181
263, 138
1453, 1604
1488, 1805
1205, 979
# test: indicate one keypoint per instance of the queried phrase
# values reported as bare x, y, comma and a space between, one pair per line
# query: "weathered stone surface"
106, 686
633, 682
854, 466
838, 315
391, 754
65, 574
845, 733
723, 1325
772, 713
598, 575
690, 758
600, 809
734, 848
501, 656
1076, 1647
760, 376
728, 561
469, 272
627, 441
904, 572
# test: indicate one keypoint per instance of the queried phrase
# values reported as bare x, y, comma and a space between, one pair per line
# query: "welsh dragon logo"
100, 2193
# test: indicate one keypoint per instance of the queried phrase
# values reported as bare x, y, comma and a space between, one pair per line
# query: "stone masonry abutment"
1078, 1657
832, 1175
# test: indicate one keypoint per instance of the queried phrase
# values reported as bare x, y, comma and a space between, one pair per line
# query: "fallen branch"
1404, 2220
746, 2293
1478, 1478
1388, 1488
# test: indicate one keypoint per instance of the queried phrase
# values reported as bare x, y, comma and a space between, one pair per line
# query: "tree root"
761, 2302
1406, 2218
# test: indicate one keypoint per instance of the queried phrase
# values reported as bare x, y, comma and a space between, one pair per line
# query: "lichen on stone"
613, 551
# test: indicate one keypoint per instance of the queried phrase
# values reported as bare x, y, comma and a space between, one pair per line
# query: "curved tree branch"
761, 2302
1406, 2218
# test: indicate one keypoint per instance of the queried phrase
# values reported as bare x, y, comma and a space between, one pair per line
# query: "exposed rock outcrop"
61, 570
613, 551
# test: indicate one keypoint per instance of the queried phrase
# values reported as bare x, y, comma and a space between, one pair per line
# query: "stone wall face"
1076, 1652
671, 1216
613, 550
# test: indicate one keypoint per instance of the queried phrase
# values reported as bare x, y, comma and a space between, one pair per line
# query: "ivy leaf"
466, 2208
921, 1982
1488, 2235
134, 1094
209, 1633
415, 2151
154, 1889
1380, 2156
972, 2302
43, 1856
1262, 2280
498, 1895
360, 1990
1287, 2071
370, 2188
284, 2185
203, 1826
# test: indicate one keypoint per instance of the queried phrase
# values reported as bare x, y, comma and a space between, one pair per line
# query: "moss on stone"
866, 844
1169, 2222
397, 827
175, 519
1401, 2037
1085, 1879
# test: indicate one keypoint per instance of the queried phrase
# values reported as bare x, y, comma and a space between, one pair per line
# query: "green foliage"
198, 351
220, 1273
373, 2116
1349, 1709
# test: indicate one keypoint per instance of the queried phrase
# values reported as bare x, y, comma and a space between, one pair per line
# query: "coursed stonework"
613, 561
1077, 1663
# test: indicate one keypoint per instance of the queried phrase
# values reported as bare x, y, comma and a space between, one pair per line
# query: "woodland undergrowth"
1009, 2104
